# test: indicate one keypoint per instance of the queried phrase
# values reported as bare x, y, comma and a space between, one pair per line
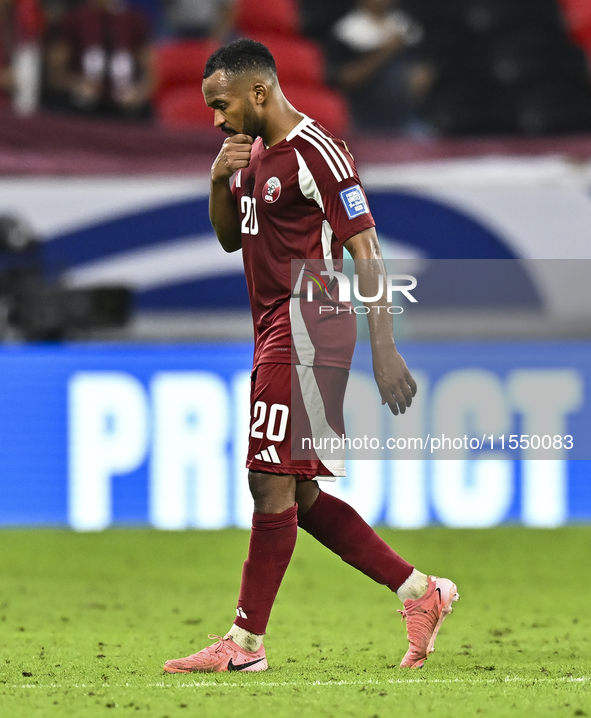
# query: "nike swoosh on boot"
242, 666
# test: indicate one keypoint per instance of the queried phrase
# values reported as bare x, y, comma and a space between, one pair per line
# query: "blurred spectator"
212, 19
373, 60
7, 41
317, 18
21, 25
100, 61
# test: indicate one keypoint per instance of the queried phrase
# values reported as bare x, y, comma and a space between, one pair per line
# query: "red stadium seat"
267, 16
578, 18
298, 60
326, 106
180, 64
183, 107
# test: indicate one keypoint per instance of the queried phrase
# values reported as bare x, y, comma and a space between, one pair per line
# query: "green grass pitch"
87, 620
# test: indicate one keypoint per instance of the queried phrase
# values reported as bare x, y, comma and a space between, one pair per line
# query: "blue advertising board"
95, 436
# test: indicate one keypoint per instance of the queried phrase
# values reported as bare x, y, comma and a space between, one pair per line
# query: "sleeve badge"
354, 201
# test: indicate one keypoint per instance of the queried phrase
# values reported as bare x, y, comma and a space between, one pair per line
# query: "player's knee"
272, 493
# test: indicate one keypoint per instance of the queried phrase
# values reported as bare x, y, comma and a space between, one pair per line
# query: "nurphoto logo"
401, 283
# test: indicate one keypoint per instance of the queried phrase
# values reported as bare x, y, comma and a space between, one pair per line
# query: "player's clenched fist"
234, 156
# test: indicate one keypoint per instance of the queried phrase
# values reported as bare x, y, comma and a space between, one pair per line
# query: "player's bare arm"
394, 380
223, 212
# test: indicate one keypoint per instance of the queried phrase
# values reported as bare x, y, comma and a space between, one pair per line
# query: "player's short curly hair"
240, 56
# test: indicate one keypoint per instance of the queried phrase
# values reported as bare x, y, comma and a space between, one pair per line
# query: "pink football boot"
224, 655
424, 617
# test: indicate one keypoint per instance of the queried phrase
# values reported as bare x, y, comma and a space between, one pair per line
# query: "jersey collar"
299, 127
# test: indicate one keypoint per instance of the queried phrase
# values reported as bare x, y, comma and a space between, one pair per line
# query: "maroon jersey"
300, 199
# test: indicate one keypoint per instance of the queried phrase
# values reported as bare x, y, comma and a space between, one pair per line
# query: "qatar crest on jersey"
272, 190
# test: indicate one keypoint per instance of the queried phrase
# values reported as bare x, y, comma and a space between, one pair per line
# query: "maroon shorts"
296, 421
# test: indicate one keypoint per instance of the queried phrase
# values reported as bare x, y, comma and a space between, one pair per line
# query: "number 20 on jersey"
250, 222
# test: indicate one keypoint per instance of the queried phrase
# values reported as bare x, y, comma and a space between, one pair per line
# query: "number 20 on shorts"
276, 423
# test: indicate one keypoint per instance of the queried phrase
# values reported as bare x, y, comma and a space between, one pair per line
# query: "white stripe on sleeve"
334, 149
314, 141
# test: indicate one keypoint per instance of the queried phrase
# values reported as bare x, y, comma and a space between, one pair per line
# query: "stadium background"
145, 424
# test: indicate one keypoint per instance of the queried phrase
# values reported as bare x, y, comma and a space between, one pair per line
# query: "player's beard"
251, 124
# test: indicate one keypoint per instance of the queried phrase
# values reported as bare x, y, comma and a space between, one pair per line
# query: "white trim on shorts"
309, 388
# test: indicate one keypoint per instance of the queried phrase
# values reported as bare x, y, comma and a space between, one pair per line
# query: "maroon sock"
341, 529
272, 541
